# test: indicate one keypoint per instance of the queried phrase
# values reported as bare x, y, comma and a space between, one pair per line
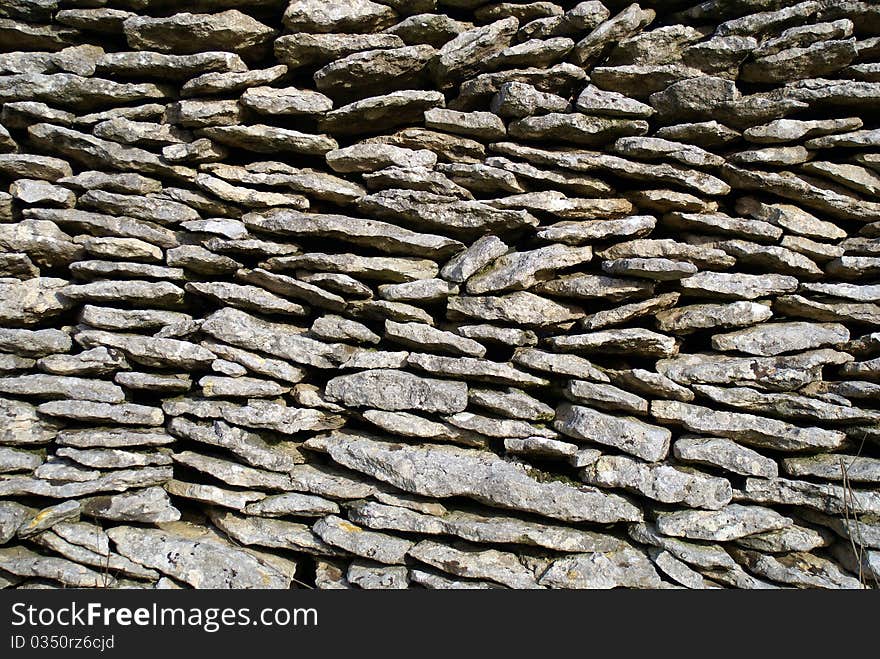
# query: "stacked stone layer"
439, 294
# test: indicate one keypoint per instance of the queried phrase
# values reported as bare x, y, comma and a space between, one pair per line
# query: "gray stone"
354, 16
466, 54
202, 561
746, 428
189, 33
397, 390
724, 454
368, 544
660, 482
463, 560
443, 471
729, 523
628, 434
628, 568
770, 339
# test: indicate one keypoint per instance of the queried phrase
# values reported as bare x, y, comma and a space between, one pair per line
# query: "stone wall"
439, 293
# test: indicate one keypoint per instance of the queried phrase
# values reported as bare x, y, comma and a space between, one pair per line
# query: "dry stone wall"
440, 293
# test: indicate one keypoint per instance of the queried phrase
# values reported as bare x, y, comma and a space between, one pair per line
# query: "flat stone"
466, 561
189, 33
368, 544
724, 454
272, 533
61, 387
355, 16
150, 351
475, 474
292, 503
150, 505
834, 467
790, 130
32, 301
625, 433
652, 384
374, 72
421, 209
305, 48
816, 60
88, 411
800, 569
378, 268
799, 306
629, 340
730, 523
199, 561
34, 343
625, 24
519, 270
702, 256
737, 285
575, 128
370, 157
23, 562
249, 446
579, 232
271, 139
770, 339
280, 340
654, 148
782, 373
605, 396
466, 54
661, 483
97, 153
372, 577
627, 568
396, 390
793, 538
656, 269
746, 428
827, 498
690, 318
44, 243
386, 236
479, 125
705, 134
75, 92
113, 438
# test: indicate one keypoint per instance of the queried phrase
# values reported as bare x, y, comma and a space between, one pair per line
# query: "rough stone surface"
446, 294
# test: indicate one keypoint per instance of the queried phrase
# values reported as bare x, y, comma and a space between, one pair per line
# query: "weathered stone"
190, 33
770, 339
729, 523
628, 568
498, 483
305, 48
724, 454
271, 139
466, 54
466, 561
397, 390
32, 301
518, 270
201, 560
737, 285
630, 340
355, 16
74, 91
662, 483
746, 428
373, 72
